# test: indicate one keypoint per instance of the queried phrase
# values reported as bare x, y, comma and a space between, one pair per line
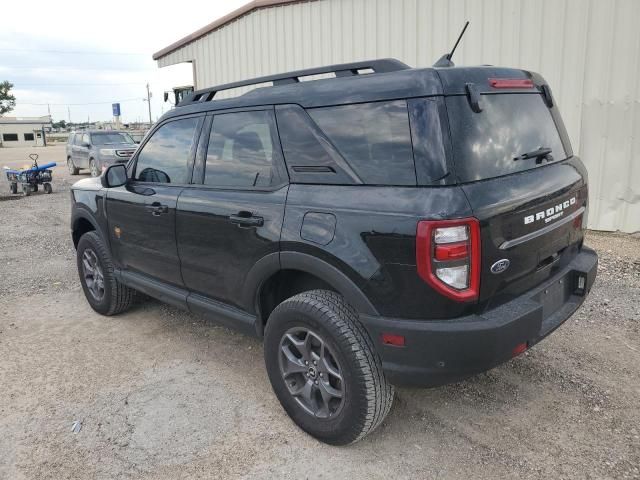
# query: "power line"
20, 84
71, 52
72, 67
80, 104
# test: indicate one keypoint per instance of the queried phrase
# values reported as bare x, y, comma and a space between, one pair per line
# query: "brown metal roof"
221, 22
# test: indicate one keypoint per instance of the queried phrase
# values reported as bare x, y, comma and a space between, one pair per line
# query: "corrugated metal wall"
588, 50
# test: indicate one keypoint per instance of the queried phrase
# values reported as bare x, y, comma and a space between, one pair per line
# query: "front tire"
93, 168
103, 291
323, 368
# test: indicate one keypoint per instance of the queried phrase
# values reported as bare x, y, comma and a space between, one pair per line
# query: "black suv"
385, 226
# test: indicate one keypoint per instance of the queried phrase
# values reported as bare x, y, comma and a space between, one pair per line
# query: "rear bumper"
443, 351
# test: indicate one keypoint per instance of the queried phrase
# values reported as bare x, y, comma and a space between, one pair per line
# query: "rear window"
509, 125
373, 137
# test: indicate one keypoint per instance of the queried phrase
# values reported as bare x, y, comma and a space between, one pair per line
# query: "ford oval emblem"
500, 266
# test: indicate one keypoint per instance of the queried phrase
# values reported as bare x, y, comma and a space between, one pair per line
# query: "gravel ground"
164, 394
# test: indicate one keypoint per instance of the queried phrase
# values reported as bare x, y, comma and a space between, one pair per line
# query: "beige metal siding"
588, 50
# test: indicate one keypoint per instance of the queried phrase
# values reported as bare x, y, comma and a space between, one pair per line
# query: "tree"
7, 101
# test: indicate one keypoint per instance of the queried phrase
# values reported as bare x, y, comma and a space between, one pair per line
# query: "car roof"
395, 81
80, 132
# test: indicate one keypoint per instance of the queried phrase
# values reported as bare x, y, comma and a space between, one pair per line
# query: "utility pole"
69, 113
49, 110
149, 104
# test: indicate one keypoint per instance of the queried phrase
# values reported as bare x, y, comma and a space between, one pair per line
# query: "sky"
75, 59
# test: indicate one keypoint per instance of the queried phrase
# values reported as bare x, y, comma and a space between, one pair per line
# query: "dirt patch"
160, 393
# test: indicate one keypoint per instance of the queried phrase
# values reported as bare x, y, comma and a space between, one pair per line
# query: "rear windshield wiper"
542, 153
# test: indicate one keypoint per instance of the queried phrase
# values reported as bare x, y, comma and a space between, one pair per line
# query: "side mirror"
114, 176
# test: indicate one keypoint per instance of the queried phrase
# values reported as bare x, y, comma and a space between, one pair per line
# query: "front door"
235, 217
81, 149
142, 214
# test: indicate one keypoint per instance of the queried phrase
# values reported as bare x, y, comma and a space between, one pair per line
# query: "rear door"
515, 166
142, 214
234, 217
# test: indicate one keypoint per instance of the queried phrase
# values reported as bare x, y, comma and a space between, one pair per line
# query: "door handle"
246, 219
156, 209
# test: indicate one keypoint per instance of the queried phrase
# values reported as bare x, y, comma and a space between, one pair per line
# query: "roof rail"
383, 65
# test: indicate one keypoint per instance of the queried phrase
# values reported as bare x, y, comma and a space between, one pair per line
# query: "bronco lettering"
550, 213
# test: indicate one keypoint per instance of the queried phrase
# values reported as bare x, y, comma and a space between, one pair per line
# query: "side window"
165, 157
373, 137
85, 139
310, 157
428, 143
241, 150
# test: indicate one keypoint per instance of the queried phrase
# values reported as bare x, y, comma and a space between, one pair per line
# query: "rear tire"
35, 187
354, 369
71, 167
47, 188
26, 189
13, 188
109, 297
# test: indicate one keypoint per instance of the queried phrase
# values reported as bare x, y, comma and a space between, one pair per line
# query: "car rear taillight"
448, 256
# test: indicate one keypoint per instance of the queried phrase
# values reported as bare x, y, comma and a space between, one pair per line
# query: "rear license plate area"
555, 296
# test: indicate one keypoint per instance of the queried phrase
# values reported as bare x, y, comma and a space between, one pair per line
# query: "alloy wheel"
311, 372
92, 272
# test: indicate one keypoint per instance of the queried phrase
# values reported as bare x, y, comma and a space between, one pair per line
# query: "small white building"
24, 131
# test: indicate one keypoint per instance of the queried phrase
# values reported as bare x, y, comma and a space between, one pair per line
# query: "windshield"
510, 126
110, 138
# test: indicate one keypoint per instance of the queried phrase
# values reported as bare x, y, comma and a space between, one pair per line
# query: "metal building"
588, 50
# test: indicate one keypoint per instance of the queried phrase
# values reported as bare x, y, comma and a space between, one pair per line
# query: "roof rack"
383, 65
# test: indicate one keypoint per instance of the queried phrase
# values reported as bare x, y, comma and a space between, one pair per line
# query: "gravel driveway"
160, 393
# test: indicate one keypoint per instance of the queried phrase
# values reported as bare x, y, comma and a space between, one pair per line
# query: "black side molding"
330, 274
223, 314
167, 293
218, 312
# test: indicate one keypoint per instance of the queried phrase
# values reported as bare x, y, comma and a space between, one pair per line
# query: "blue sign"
116, 109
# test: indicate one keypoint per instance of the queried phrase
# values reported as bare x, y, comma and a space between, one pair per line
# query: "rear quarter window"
374, 138
486, 143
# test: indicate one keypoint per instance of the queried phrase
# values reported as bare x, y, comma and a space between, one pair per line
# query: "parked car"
398, 227
97, 149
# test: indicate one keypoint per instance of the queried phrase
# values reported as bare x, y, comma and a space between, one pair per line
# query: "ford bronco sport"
384, 226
